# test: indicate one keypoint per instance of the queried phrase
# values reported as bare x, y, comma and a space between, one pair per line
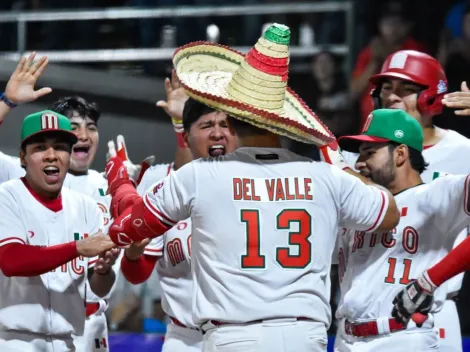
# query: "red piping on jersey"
380, 213
428, 146
25, 260
54, 205
138, 271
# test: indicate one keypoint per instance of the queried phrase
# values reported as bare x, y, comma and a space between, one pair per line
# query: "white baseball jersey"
264, 225
174, 270
374, 267
153, 174
10, 168
52, 303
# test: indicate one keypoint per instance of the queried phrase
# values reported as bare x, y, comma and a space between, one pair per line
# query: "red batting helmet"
418, 68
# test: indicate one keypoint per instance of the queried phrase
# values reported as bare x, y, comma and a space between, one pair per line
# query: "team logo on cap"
441, 87
399, 134
367, 123
49, 122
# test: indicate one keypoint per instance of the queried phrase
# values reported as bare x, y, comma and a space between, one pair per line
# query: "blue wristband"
6, 101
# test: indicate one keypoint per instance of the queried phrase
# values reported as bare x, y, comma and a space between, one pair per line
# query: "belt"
181, 325
211, 324
370, 328
92, 308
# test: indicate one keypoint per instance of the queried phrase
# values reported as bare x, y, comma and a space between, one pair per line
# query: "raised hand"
136, 249
106, 260
331, 154
135, 171
94, 245
20, 86
175, 99
416, 297
459, 100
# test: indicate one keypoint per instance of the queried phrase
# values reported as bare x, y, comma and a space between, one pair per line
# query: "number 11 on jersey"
255, 259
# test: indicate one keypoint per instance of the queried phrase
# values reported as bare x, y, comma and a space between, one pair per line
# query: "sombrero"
252, 87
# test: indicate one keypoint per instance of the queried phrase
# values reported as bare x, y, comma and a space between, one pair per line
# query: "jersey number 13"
254, 259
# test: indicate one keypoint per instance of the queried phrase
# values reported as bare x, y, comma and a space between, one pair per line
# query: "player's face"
400, 94
211, 135
376, 163
46, 165
83, 153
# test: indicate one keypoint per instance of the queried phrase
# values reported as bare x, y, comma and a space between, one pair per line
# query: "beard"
385, 175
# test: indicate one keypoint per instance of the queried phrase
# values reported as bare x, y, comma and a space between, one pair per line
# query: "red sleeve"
138, 271
454, 263
124, 196
363, 60
24, 260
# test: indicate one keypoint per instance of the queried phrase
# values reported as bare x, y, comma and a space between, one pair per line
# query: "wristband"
180, 140
7, 102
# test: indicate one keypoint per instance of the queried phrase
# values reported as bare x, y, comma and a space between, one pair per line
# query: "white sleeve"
155, 247
11, 226
95, 224
362, 207
171, 199
449, 197
10, 168
153, 175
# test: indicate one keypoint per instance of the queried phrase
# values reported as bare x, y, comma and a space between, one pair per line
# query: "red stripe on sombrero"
254, 62
269, 60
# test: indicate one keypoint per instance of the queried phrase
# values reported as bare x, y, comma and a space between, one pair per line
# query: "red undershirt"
138, 271
18, 259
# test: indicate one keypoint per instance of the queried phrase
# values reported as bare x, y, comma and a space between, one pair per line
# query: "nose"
392, 99
216, 133
82, 134
360, 164
50, 155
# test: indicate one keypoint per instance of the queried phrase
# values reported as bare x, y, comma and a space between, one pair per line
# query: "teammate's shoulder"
158, 170
10, 185
455, 138
75, 196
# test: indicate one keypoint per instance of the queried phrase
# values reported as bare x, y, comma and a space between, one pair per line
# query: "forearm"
360, 83
24, 260
138, 271
454, 263
124, 195
101, 284
4, 110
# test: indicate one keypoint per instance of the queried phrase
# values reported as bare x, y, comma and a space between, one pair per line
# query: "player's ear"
401, 155
22, 157
186, 138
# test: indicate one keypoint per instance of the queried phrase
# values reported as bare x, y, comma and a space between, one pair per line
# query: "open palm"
20, 87
175, 98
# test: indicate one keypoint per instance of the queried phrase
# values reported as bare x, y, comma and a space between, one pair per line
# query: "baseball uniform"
264, 224
174, 271
374, 267
152, 174
10, 168
95, 337
41, 313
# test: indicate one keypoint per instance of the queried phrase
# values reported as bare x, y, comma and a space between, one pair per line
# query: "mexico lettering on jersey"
174, 270
52, 303
264, 224
432, 215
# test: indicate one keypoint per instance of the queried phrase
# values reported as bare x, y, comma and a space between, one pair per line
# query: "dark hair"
416, 157
243, 129
192, 111
67, 105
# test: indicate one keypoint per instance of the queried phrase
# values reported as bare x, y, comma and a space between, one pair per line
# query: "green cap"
386, 125
47, 121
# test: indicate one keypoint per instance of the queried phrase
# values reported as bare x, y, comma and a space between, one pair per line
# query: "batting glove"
135, 171
416, 297
331, 154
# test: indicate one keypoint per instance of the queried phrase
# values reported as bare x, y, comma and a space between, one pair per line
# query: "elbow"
392, 216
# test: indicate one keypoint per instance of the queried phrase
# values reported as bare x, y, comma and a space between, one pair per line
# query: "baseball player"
171, 253
416, 83
253, 291
432, 216
84, 117
46, 244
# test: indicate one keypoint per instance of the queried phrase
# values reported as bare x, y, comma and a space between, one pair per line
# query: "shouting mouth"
81, 151
217, 150
52, 173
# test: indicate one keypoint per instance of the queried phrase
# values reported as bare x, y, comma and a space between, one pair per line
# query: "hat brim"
378, 78
352, 143
205, 70
70, 136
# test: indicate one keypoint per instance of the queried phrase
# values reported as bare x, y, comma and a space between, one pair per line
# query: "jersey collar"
54, 205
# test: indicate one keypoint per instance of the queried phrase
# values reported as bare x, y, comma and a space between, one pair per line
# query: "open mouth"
81, 151
217, 150
52, 173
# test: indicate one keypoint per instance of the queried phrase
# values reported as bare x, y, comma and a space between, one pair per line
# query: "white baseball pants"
16, 341
414, 340
448, 325
179, 339
95, 335
280, 335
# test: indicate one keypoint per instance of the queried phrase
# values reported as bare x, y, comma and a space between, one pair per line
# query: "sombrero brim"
205, 70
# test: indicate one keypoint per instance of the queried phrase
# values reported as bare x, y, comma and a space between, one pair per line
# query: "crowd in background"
340, 98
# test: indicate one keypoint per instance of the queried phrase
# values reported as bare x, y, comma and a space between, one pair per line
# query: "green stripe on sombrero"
278, 34
207, 53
